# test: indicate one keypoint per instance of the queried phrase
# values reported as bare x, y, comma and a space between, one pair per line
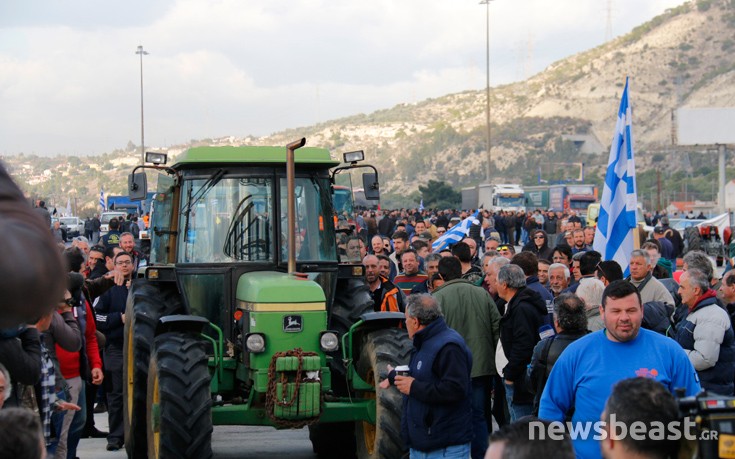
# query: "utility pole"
608, 25
488, 170
141, 53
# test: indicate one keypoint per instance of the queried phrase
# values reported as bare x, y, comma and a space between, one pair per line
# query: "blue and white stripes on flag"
455, 234
102, 200
617, 219
421, 205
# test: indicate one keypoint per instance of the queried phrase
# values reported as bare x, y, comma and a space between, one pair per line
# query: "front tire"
382, 439
146, 304
179, 403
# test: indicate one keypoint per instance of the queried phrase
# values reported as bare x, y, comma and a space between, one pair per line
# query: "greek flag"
102, 200
421, 205
455, 234
614, 234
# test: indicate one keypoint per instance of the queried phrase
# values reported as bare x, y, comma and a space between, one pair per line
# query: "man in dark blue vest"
437, 402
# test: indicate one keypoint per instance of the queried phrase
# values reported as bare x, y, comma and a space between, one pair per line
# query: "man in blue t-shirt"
582, 378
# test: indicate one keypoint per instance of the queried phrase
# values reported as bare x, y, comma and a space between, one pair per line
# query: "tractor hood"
274, 291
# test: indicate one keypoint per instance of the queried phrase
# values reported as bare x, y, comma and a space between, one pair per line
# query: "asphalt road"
228, 442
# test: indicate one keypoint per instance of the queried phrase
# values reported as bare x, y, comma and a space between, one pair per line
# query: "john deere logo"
293, 324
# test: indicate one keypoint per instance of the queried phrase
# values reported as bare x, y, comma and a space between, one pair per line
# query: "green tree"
440, 195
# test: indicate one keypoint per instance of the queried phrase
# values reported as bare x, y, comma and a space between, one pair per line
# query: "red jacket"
69, 362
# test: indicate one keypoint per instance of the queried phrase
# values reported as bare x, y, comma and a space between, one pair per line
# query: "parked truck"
494, 197
508, 196
125, 204
537, 197
577, 197
469, 197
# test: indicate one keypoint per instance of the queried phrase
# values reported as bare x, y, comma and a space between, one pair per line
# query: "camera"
714, 418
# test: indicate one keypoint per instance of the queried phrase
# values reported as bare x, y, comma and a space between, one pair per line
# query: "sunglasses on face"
68, 301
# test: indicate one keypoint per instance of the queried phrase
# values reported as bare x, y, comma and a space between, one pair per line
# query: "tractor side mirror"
371, 186
137, 186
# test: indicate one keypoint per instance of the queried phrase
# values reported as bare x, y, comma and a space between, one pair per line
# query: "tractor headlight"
328, 341
255, 343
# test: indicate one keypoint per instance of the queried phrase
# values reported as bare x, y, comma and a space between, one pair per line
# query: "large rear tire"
146, 304
382, 439
179, 404
692, 239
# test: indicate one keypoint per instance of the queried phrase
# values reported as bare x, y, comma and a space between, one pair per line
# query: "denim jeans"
67, 418
517, 410
480, 386
77, 425
524, 236
451, 452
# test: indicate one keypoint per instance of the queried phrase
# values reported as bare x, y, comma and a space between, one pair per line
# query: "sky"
70, 79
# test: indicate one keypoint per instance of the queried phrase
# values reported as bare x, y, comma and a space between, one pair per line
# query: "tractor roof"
253, 155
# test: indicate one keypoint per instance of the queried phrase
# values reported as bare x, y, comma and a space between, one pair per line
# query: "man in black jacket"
570, 322
110, 314
519, 333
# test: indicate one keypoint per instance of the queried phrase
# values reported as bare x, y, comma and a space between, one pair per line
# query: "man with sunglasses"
110, 314
506, 251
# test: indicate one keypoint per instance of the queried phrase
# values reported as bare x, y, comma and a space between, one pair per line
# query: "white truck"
105, 220
506, 196
503, 196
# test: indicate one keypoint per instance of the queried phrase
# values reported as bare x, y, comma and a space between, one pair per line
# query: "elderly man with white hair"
559, 276
640, 275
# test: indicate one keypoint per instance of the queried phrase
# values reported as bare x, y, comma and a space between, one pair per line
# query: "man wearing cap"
667, 248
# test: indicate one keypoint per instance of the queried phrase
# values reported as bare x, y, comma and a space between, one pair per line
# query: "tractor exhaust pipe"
291, 201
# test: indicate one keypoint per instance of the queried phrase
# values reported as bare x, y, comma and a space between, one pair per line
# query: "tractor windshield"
228, 223
233, 220
314, 228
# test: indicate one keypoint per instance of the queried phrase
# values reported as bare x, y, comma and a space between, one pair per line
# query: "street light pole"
488, 169
142, 134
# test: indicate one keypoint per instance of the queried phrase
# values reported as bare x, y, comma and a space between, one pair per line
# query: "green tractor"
245, 315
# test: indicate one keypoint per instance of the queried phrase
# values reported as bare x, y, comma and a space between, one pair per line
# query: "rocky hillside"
681, 58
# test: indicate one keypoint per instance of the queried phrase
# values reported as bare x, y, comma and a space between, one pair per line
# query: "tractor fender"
391, 318
369, 322
181, 323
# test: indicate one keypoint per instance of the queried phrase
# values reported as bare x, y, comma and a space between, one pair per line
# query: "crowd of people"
520, 323
69, 357
548, 334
